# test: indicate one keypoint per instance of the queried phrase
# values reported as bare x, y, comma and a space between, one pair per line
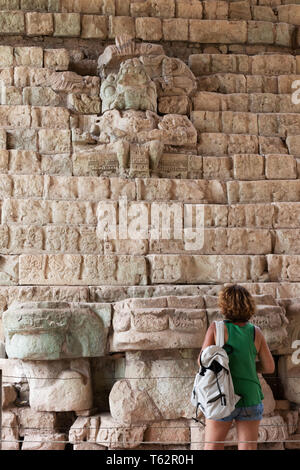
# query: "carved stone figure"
171, 75
131, 88
140, 127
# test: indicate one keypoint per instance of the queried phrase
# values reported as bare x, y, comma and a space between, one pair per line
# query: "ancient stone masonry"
122, 122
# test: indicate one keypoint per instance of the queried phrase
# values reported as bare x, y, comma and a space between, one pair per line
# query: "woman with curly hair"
243, 342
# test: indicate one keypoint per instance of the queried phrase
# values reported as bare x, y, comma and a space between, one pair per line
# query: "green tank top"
242, 352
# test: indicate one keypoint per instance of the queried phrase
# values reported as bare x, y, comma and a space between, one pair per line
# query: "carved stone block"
168, 432
84, 104
48, 441
7, 56
9, 266
60, 385
139, 161
10, 431
289, 373
55, 330
151, 327
202, 268
115, 435
292, 308
160, 387
81, 270
32, 56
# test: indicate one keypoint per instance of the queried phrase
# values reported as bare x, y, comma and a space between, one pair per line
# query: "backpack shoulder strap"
219, 333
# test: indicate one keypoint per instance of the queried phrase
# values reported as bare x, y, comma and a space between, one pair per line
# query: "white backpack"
213, 390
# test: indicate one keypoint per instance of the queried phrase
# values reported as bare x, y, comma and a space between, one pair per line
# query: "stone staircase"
243, 171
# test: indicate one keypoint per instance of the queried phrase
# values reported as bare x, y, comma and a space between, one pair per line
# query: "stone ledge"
89, 26
132, 270
281, 11
273, 215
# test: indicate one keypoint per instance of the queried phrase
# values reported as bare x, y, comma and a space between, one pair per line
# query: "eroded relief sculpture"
55, 340
135, 77
55, 330
131, 88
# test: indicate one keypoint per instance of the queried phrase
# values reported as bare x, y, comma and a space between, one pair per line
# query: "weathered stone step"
263, 215
110, 269
259, 65
245, 102
263, 191
230, 122
46, 96
148, 189
101, 188
25, 57
55, 142
172, 166
207, 31
278, 290
77, 269
219, 144
277, 10
239, 83
25, 116
84, 239
250, 166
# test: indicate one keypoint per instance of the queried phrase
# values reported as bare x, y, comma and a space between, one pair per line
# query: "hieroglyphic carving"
147, 326
103, 431
139, 161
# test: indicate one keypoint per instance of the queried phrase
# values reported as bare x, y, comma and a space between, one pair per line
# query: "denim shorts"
246, 413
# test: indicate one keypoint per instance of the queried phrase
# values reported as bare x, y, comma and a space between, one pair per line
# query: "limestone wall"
97, 330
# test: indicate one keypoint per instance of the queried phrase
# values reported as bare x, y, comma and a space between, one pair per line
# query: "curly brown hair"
236, 303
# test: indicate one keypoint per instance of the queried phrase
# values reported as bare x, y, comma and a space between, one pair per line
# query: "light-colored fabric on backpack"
213, 390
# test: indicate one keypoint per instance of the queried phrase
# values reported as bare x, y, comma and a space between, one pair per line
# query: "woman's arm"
266, 364
209, 339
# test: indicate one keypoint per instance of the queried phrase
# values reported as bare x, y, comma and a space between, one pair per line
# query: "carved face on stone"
131, 88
